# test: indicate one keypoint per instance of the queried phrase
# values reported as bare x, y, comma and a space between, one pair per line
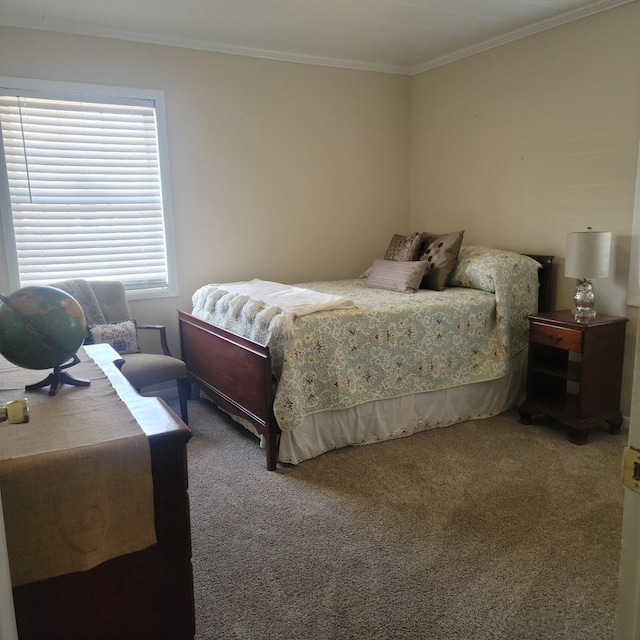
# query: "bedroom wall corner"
526, 142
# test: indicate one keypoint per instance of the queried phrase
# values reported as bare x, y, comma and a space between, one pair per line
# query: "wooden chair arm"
163, 335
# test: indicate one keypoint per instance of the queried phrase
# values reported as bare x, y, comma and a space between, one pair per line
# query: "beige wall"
296, 172
524, 143
280, 171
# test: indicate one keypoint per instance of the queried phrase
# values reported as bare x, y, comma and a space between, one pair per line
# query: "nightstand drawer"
561, 338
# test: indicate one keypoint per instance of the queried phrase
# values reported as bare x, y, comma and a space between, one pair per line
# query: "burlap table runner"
76, 480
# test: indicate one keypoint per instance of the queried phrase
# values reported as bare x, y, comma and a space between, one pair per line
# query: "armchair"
109, 319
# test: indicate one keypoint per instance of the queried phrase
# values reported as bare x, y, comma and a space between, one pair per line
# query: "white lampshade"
588, 254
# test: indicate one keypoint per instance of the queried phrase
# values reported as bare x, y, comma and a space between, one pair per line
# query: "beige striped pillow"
396, 276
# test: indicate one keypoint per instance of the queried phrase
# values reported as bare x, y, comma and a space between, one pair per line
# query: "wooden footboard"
235, 373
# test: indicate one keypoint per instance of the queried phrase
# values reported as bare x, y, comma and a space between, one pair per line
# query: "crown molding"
519, 34
202, 45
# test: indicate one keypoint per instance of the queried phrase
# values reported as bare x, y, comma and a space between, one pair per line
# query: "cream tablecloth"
76, 480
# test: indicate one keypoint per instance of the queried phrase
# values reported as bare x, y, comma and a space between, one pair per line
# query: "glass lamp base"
584, 300
584, 313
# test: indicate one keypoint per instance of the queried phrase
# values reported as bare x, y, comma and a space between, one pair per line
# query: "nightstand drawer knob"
554, 338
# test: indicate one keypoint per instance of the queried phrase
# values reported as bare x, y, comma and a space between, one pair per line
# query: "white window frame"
72, 91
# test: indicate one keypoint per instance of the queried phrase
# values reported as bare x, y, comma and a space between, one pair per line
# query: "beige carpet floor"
485, 530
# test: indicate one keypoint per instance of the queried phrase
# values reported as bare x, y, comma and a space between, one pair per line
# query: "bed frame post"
271, 443
546, 278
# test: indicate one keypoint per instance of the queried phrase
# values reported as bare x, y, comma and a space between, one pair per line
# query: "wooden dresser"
143, 595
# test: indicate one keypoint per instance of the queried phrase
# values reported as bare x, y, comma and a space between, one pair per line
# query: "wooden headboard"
546, 293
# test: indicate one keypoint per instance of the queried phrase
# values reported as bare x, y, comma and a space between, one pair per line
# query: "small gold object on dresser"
15, 412
574, 371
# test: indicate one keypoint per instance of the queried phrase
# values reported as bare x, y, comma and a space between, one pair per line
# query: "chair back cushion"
112, 298
83, 293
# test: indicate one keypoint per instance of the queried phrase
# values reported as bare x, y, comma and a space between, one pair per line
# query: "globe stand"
58, 377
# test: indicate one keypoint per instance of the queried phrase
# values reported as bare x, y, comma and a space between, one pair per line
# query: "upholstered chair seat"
109, 319
146, 369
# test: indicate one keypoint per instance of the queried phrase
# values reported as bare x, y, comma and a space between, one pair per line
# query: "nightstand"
574, 371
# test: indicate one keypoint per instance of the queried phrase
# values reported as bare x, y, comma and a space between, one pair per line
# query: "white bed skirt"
402, 416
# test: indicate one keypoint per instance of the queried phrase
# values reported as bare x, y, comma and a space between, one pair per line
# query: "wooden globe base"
58, 377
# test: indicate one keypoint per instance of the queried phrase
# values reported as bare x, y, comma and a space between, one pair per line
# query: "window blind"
85, 190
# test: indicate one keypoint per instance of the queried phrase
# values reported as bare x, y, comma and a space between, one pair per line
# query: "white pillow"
122, 336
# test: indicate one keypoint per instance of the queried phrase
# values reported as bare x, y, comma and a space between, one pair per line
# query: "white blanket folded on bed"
288, 298
268, 303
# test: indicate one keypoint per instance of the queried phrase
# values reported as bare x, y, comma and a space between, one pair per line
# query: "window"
81, 186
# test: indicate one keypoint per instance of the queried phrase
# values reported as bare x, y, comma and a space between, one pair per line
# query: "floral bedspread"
392, 344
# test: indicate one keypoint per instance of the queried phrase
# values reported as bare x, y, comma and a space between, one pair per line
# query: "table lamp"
588, 257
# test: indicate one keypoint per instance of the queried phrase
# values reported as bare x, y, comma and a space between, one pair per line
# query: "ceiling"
399, 36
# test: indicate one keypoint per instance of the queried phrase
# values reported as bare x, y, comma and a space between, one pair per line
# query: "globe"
40, 327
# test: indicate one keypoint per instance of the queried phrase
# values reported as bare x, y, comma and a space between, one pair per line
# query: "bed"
389, 365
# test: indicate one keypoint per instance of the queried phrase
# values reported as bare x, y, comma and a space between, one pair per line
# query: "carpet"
488, 529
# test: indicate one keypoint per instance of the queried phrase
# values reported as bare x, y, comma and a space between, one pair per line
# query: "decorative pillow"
122, 336
404, 248
440, 253
395, 275
476, 268
485, 268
